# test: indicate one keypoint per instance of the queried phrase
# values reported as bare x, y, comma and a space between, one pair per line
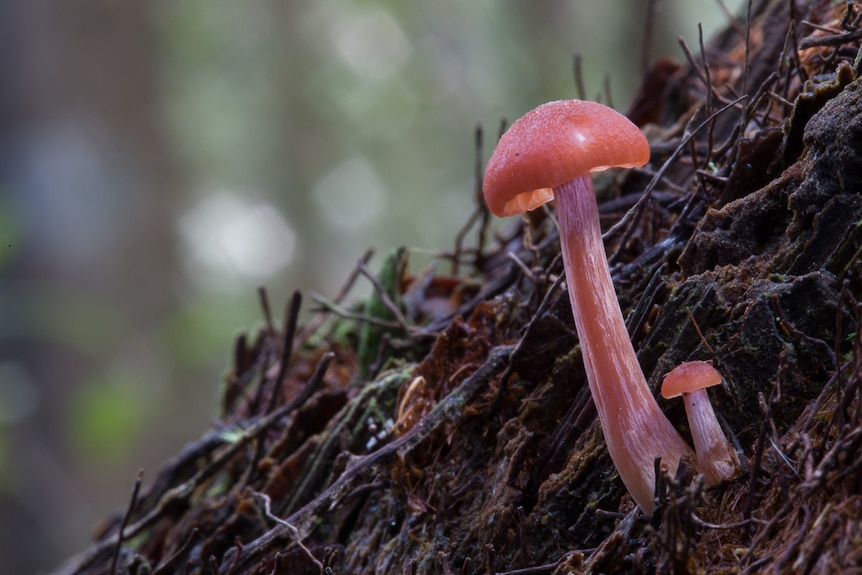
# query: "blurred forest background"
160, 160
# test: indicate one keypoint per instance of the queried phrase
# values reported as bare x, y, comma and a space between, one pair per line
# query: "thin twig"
522, 535
232, 567
521, 265
710, 137
792, 329
849, 16
290, 321
332, 307
306, 518
746, 66
318, 320
168, 563
731, 18
129, 510
445, 566
577, 72
183, 491
290, 529
813, 42
633, 215
391, 306
702, 73
547, 566
480, 211
510, 368
609, 97
265, 307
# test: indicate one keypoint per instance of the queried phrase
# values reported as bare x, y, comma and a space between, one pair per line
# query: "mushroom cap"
688, 377
554, 144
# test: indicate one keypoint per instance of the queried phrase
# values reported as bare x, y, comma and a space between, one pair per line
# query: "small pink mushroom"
716, 458
549, 154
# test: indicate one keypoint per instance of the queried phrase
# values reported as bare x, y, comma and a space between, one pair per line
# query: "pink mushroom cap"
553, 144
689, 377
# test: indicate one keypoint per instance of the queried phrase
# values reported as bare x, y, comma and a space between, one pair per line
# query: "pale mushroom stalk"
635, 429
716, 459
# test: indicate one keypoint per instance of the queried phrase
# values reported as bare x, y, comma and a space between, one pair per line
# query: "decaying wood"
472, 445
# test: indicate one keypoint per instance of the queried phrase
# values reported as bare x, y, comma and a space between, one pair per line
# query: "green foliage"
371, 335
106, 414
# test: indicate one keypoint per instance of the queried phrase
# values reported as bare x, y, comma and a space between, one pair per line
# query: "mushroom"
549, 154
716, 458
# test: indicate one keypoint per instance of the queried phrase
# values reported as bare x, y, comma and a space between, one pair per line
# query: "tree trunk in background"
89, 184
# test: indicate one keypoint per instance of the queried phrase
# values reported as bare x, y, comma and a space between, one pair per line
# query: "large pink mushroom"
549, 154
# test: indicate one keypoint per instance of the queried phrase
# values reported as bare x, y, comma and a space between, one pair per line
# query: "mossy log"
467, 441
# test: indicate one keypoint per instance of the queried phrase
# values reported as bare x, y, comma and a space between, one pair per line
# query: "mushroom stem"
716, 459
635, 429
